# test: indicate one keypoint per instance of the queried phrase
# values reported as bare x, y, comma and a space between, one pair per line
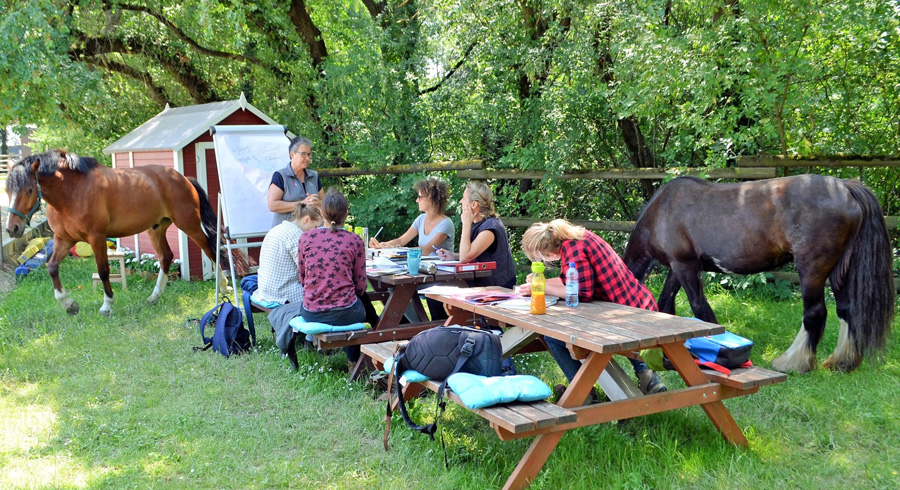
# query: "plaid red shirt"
602, 275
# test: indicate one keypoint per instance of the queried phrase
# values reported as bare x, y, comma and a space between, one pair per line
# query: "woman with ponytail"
332, 266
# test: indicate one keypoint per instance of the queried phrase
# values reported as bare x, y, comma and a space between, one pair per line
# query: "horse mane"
49, 164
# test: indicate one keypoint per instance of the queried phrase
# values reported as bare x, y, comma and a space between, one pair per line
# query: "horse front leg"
801, 355
666, 300
688, 275
60, 250
98, 246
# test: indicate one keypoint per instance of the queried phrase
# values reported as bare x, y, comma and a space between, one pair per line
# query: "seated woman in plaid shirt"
602, 276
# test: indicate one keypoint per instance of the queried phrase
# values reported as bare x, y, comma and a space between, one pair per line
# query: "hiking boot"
650, 383
592, 398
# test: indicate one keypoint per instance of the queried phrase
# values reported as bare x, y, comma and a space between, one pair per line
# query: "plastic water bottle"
572, 285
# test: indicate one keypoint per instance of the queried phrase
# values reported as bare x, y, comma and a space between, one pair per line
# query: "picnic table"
594, 332
396, 291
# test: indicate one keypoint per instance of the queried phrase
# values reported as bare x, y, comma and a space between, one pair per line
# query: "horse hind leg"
801, 355
193, 228
161, 245
845, 357
60, 250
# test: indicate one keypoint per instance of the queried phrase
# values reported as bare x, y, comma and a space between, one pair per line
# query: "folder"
456, 266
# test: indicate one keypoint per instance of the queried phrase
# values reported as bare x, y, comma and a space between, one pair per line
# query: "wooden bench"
113, 255
516, 418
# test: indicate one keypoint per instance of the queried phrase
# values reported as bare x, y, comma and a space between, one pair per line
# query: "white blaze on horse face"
12, 202
799, 357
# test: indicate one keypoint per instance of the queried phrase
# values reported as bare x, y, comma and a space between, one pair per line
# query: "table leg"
395, 306
543, 445
716, 411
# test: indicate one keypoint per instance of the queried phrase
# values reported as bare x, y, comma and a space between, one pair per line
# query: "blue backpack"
722, 352
229, 336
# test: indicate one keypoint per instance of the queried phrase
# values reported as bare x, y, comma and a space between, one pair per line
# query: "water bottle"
538, 288
572, 285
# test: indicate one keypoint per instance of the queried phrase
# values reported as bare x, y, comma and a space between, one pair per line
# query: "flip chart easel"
246, 158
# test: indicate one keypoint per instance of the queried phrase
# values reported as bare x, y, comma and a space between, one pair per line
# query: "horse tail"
865, 274
209, 220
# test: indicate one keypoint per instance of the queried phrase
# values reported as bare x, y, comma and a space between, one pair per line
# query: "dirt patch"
7, 280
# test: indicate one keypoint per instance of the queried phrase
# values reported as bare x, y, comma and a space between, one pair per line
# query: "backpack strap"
209, 315
248, 307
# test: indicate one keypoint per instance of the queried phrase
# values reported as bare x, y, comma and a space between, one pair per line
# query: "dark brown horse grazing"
90, 202
831, 228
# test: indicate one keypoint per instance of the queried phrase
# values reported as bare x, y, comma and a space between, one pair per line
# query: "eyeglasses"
304, 154
420, 196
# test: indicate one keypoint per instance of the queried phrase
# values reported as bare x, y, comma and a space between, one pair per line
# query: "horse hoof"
105, 312
842, 365
153, 300
786, 365
73, 308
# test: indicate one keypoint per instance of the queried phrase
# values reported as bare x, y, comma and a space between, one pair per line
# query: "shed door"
208, 177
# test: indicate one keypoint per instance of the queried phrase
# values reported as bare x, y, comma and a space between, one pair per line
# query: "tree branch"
308, 32
451, 72
177, 65
156, 92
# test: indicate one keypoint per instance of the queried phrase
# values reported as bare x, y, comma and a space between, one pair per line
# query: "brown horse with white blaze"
89, 202
832, 229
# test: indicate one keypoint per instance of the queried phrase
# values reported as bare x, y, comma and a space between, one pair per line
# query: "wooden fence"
748, 168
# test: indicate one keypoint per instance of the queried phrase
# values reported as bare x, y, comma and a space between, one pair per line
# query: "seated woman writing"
433, 227
483, 237
602, 276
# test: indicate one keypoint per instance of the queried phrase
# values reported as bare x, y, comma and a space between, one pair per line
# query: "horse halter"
37, 204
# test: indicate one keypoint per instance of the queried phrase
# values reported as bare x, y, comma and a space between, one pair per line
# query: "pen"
379, 232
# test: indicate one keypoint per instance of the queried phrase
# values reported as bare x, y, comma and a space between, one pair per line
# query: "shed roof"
175, 128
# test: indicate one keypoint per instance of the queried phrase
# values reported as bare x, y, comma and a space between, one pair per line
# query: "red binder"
467, 267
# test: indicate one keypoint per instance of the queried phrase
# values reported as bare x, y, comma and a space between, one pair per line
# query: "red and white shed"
179, 137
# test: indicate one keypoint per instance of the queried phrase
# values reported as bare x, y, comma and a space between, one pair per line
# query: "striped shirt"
278, 278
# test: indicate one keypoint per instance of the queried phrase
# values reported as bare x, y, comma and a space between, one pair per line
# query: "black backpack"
229, 336
439, 353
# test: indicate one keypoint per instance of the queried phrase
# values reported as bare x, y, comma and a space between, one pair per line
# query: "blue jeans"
571, 366
340, 317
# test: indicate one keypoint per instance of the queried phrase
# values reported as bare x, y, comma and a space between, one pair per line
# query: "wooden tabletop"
439, 276
597, 326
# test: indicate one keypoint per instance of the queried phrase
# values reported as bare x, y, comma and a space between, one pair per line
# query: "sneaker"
650, 383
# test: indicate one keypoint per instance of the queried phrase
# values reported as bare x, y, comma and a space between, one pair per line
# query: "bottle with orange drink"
538, 289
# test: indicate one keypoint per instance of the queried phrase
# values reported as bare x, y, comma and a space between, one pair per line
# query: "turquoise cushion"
263, 303
483, 391
312, 328
411, 375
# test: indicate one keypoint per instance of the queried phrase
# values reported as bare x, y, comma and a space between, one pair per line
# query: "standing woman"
295, 183
433, 227
332, 266
602, 276
483, 237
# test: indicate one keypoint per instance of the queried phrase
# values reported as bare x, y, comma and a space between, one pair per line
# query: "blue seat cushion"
411, 375
312, 328
263, 303
483, 391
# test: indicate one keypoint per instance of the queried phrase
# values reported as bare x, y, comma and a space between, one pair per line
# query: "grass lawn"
124, 402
